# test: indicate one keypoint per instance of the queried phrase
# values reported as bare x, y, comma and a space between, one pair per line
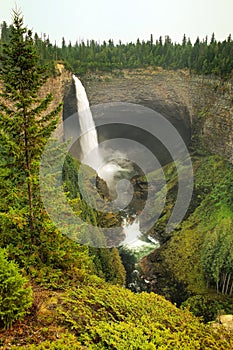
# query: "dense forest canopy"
201, 57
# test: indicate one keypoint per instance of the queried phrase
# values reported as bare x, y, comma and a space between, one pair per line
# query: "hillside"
60, 286
95, 315
182, 255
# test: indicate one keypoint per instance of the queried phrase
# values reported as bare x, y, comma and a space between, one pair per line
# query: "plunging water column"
89, 140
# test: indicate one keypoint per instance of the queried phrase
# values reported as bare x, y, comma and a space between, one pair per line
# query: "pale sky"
126, 20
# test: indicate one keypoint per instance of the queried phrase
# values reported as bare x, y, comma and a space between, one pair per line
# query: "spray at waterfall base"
119, 161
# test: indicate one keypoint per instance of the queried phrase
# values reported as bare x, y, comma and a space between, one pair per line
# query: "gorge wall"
197, 106
189, 103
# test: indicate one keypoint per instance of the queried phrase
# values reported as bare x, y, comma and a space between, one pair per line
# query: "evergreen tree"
118, 273
108, 265
129, 261
184, 41
4, 32
200, 58
24, 128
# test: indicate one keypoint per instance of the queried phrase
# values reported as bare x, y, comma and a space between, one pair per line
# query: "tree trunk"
231, 290
228, 281
224, 282
28, 171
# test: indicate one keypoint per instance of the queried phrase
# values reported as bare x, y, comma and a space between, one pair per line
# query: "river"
136, 241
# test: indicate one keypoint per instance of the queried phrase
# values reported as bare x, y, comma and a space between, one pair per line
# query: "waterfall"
88, 140
97, 158
91, 153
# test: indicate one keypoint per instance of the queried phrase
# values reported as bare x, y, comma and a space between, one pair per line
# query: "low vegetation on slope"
102, 316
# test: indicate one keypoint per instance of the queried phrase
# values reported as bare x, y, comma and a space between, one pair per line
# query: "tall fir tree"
118, 273
25, 126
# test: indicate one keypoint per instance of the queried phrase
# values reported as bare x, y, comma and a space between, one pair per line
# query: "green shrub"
67, 342
203, 307
15, 299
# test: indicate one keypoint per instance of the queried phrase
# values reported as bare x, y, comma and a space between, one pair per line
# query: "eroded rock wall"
176, 95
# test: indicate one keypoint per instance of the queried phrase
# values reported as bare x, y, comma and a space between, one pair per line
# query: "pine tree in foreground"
25, 125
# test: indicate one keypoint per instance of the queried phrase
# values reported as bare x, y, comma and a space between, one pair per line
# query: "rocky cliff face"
182, 99
151, 89
57, 86
218, 119
155, 89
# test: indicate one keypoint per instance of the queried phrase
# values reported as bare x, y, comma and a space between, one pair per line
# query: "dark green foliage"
217, 257
203, 307
214, 187
15, 298
199, 254
129, 261
46, 51
209, 306
117, 270
25, 125
70, 176
201, 57
108, 265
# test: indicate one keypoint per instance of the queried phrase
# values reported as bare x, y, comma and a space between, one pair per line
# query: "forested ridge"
204, 56
58, 294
